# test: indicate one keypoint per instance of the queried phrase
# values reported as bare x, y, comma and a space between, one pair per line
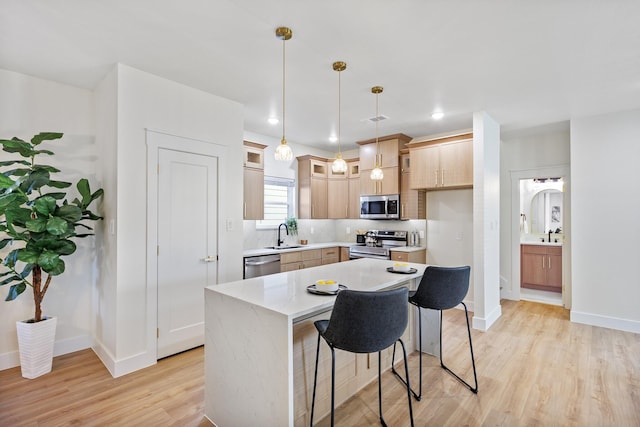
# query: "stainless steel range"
378, 244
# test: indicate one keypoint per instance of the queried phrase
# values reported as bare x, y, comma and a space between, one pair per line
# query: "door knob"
209, 259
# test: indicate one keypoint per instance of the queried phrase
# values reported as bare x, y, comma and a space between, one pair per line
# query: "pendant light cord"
377, 120
284, 40
339, 111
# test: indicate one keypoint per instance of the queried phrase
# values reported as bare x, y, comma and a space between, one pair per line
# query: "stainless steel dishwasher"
262, 265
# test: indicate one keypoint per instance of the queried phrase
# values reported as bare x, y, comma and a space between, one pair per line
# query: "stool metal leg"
406, 372
333, 384
418, 396
473, 362
380, 389
315, 380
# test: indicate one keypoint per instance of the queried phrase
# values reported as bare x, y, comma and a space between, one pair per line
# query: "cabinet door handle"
549, 263
436, 172
543, 263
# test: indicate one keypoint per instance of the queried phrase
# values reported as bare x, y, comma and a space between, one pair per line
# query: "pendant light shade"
283, 151
339, 165
376, 173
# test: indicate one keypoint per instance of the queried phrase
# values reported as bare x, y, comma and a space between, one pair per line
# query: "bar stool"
441, 288
364, 322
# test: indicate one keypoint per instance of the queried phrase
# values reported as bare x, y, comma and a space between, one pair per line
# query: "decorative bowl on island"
401, 266
326, 285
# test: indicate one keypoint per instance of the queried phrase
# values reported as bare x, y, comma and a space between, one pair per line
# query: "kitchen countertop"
267, 251
286, 293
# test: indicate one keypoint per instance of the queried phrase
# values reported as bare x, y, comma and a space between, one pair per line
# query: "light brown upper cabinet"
444, 163
390, 184
387, 157
354, 189
413, 203
312, 187
338, 198
253, 194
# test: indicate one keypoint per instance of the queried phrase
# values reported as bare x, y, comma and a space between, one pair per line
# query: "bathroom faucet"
550, 235
280, 241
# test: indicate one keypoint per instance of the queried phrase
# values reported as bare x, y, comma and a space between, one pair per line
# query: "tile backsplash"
325, 230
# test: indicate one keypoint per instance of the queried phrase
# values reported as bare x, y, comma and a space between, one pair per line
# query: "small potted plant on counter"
292, 226
37, 225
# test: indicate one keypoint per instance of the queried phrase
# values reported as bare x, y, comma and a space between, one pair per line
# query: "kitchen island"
260, 344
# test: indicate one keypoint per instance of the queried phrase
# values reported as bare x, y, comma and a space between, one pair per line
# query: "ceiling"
525, 63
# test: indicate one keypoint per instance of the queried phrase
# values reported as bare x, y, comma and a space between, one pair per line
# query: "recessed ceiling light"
273, 120
333, 138
437, 115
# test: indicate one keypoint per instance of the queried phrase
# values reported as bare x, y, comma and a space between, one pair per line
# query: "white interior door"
187, 246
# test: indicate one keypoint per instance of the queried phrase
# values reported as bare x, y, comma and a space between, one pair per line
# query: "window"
279, 201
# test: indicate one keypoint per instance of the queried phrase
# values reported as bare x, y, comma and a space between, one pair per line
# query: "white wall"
605, 190
449, 237
486, 220
28, 106
145, 101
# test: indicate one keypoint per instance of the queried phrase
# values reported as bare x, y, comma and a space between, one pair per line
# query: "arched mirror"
546, 211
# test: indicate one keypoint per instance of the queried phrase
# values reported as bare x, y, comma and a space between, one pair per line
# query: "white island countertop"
286, 293
250, 329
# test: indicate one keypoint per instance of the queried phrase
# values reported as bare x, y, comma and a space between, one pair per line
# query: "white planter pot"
35, 344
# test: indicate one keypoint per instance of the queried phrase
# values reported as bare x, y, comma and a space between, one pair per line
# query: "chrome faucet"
280, 241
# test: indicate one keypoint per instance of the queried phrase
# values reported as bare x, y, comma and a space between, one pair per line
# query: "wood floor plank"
535, 368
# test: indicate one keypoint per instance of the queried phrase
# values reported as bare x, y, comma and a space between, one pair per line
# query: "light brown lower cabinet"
419, 256
297, 260
541, 267
330, 255
344, 254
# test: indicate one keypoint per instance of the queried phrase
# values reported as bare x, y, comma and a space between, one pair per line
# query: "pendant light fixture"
283, 151
376, 173
339, 165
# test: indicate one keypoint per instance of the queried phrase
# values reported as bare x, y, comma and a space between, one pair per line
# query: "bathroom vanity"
541, 266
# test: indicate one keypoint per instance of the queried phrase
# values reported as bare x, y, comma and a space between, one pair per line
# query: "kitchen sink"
283, 247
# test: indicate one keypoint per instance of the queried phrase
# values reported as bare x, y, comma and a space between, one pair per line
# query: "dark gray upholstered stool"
364, 322
441, 288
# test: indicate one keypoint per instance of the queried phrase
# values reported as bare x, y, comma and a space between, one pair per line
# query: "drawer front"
554, 250
400, 256
534, 249
330, 252
287, 257
330, 260
291, 266
311, 263
311, 254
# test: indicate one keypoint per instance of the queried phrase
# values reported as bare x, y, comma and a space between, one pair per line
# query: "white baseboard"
483, 324
69, 345
117, 368
605, 321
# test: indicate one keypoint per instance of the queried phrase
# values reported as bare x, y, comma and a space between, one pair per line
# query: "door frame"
542, 172
155, 141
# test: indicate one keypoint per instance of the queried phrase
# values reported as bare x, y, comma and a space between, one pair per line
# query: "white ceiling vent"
379, 118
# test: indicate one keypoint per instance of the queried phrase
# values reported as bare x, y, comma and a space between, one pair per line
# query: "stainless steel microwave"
380, 207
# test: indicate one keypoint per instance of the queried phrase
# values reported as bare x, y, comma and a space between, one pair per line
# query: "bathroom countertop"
539, 243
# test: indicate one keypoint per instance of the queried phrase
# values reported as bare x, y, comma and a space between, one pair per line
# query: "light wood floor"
535, 368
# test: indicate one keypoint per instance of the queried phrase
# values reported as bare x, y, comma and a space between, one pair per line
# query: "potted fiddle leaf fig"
38, 225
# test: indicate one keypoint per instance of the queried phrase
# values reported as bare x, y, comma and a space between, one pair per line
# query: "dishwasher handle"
253, 263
